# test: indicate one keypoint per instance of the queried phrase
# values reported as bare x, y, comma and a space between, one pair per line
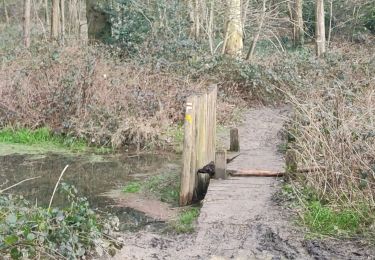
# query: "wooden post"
234, 140
189, 147
221, 165
199, 144
290, 163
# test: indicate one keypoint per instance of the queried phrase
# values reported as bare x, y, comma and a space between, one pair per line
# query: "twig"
18, 183
57, 184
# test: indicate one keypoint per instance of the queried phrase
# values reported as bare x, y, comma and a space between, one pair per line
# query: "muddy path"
244, 218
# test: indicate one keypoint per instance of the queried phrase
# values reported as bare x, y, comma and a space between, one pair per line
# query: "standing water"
92, 175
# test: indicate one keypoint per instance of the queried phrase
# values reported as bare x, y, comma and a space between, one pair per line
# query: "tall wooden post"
320, 32
188, 152
199, 144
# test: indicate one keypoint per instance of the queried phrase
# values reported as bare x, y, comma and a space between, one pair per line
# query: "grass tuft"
186, 220
132, 187
41, 136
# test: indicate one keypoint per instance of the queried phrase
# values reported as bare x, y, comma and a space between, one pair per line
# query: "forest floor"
247, 219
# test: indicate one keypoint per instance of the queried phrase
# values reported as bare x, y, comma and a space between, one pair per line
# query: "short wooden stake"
234, 140
221, 165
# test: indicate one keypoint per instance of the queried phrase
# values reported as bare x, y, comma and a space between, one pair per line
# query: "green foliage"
41, 136
325, 220
132, 187
369, 18
185, 221
166, 187
27, 230
322, 217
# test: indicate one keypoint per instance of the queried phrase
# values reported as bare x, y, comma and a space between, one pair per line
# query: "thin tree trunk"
6, 12
298, 23
55, 20
330, 22
46, 12
196, 19
253, 44
210, 27
234, 42
320, 28
62, 22
26, 22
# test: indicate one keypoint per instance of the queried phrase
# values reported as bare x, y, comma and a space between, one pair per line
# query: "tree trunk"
55, 20
62, 21
256, 37
6, 12
320, 28
98, 25
26, 22
234, 42
46, 14
298, 23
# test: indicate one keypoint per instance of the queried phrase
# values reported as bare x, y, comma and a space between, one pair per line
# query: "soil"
243, 218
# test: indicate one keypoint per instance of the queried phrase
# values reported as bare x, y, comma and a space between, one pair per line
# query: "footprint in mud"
271, 242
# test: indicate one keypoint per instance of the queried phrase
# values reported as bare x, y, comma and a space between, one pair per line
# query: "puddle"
92, 175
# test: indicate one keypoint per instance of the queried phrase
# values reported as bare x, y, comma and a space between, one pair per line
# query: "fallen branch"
18, 183
266, 173
57, 184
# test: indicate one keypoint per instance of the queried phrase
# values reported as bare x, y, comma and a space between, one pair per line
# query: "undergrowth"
164, 187
41, 137
324, 217
185, 220
31, 232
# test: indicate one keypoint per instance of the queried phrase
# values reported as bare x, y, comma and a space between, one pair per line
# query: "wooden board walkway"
233, 206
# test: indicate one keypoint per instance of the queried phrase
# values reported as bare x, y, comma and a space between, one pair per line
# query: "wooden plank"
221, 165
266, 173
234, 140
255, 173
188, 155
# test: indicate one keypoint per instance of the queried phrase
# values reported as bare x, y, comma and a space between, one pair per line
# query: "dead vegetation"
81, 91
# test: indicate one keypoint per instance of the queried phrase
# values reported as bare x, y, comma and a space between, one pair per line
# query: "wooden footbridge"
201, 160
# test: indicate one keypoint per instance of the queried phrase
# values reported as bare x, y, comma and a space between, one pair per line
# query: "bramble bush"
28, 231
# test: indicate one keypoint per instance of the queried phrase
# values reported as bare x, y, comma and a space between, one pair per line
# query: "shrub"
29, 231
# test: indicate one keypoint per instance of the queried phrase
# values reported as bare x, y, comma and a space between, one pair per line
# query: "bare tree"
233, 42
299, 32
256, 37
46, 14
6, 12
55, 20
62, 21
320, 33
26, 22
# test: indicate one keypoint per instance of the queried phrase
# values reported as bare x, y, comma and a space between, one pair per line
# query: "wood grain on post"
188, 152
234, 140
221, 165
213, 121
199, 143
